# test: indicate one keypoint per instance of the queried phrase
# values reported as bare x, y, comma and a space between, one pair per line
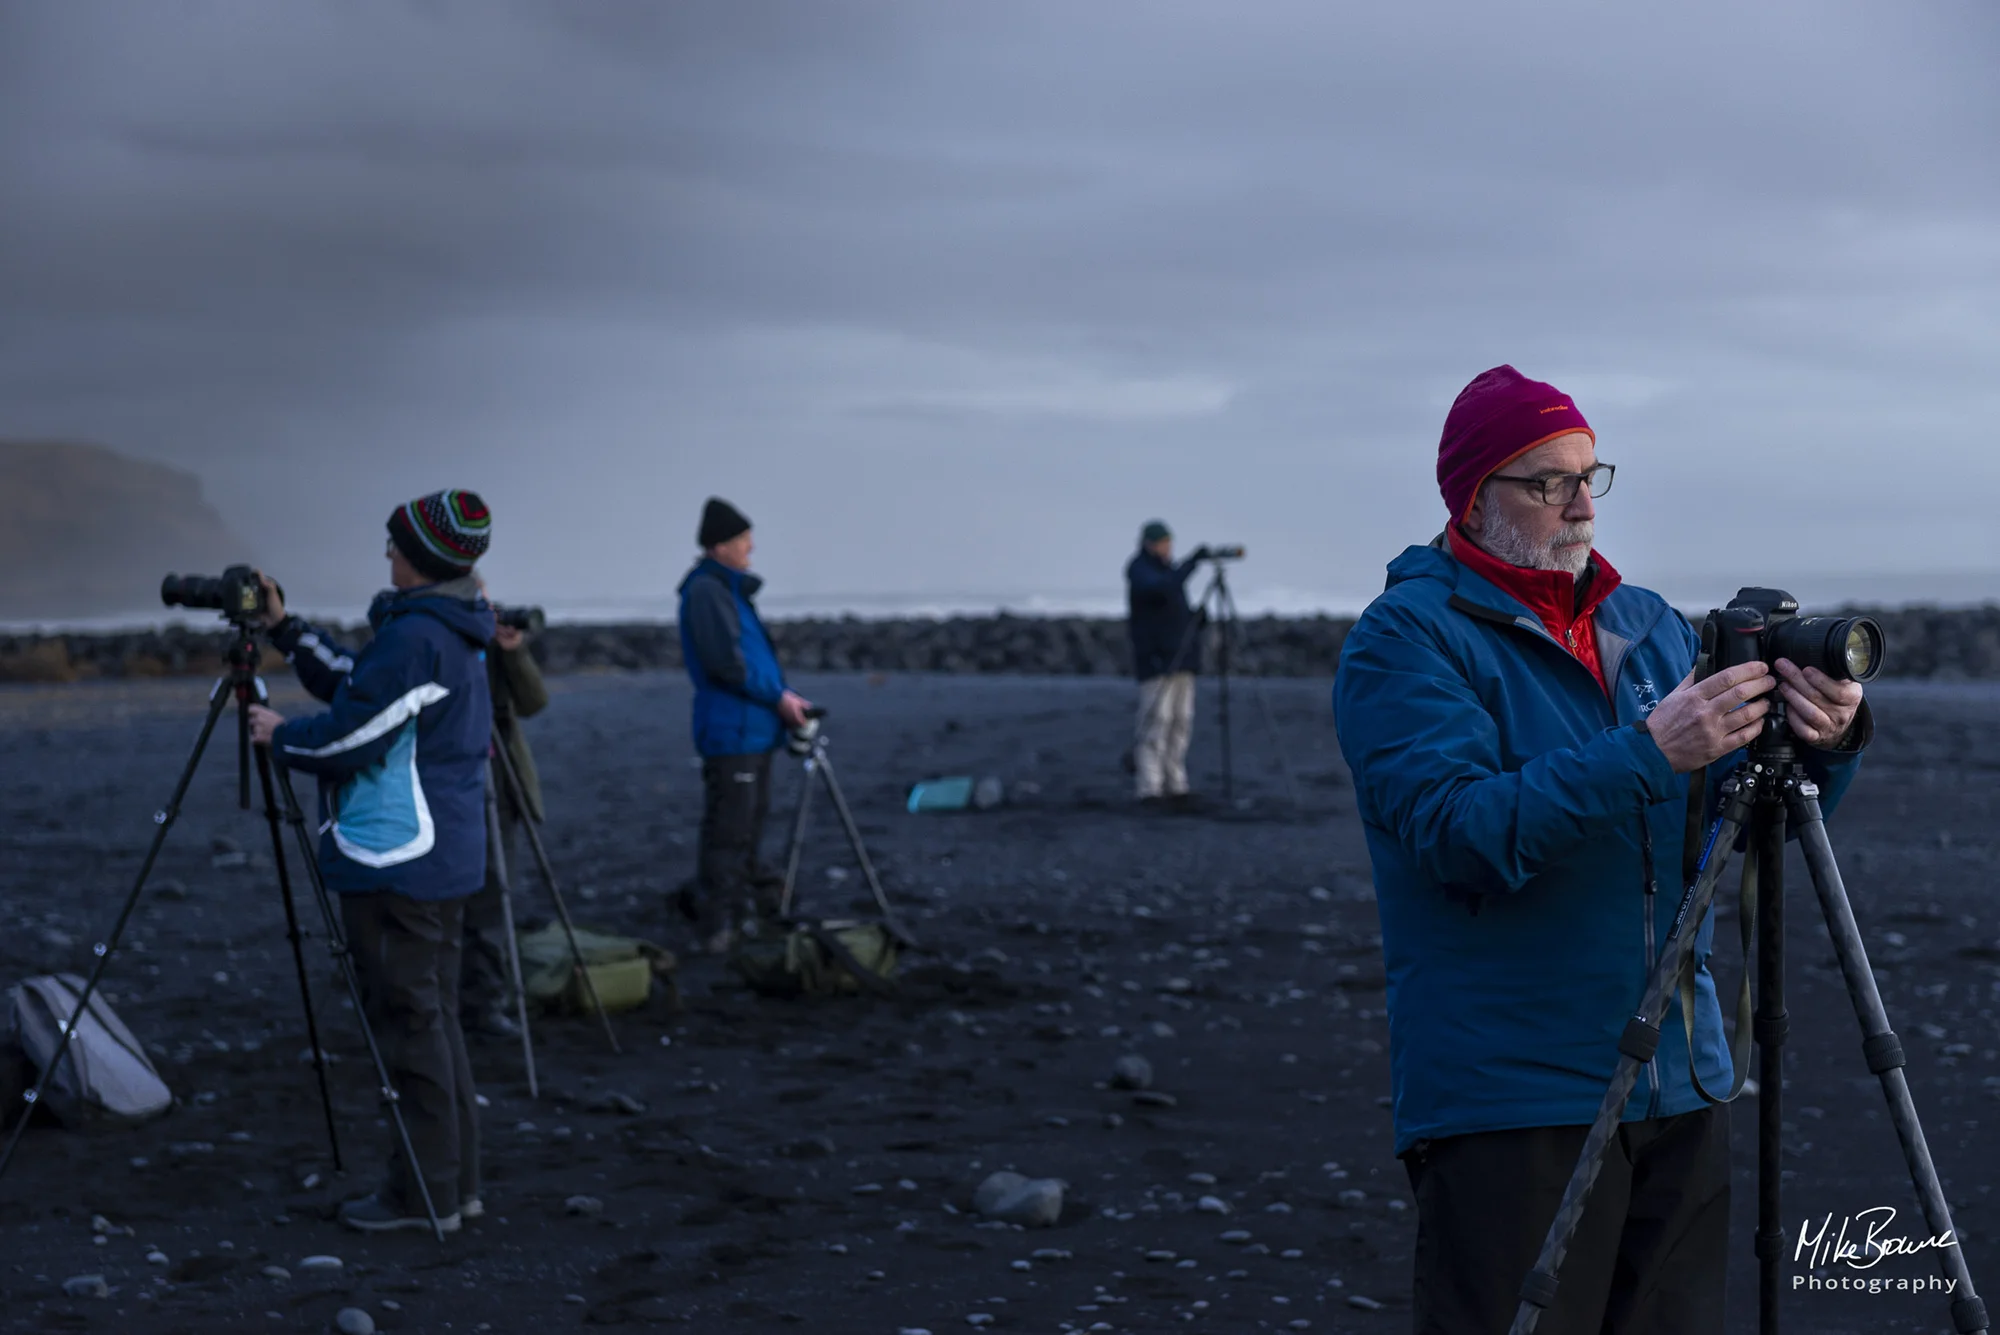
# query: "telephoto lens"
1844, 648
200, 591
238, 593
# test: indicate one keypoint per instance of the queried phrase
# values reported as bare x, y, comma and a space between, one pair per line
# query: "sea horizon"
1692, 594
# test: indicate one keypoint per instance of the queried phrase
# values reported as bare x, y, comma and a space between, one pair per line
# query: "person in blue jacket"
1521, 726
400, 754
742, 710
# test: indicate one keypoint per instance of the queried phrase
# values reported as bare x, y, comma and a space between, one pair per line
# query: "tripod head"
805, 739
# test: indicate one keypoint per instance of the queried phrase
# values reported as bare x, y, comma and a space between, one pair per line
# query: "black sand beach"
810, 1166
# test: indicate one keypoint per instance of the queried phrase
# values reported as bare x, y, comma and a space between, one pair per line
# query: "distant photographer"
1166, 656
514, 680
1521, 726
741, 712
401, 760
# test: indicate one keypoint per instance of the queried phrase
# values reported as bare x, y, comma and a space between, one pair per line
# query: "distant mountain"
85, 532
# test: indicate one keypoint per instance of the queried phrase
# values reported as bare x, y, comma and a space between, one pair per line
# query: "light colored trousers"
1166, 719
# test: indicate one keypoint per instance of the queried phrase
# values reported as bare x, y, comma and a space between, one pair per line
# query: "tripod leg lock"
1640, 1040
1884, 1053
1772, 1030
1968, 1315
1539, 1288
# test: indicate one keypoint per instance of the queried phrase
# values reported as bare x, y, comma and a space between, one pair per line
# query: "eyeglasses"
1561, 488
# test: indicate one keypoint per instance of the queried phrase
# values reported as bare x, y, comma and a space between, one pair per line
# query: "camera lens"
1861, 651
1844, 648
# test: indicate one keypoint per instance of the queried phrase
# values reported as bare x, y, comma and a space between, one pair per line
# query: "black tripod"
242, 685
809, 744
1771, 787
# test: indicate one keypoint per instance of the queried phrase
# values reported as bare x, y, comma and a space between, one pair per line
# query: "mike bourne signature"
1875, 1242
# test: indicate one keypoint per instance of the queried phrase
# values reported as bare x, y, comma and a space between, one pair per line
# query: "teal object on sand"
952, 794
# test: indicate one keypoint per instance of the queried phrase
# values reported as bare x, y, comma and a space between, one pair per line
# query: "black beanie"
720, 521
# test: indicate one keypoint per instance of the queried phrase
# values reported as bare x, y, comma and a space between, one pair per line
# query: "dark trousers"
1649, 1258
406, 952
488, 981
736, 798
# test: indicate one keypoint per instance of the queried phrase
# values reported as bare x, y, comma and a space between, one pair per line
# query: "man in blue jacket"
1521, 725
401, 758
741, 712
1166, 655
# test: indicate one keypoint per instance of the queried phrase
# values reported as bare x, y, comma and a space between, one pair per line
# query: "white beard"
1514, 546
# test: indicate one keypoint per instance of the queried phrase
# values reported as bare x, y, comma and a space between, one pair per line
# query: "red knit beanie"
1495, 420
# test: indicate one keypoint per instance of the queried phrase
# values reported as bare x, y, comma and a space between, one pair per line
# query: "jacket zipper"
1646, 854
1650, 897
1647, 899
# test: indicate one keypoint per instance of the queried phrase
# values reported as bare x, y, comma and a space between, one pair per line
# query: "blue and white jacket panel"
401, 752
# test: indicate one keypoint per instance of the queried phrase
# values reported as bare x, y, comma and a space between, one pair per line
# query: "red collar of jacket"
1565, 610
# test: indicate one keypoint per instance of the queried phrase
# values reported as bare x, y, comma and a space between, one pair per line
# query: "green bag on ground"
832, 957
622, 969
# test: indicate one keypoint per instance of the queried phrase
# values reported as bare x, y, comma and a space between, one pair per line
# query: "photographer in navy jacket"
401, 758
1521, 725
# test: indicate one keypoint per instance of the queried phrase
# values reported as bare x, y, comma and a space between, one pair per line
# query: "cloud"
958, 293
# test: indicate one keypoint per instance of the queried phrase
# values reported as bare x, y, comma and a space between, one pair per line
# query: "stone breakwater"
1957, 644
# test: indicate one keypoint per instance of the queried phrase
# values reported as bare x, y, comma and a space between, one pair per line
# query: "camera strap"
1739, 1045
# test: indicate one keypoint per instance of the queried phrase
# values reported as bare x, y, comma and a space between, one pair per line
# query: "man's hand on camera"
509, 638
264, 722
1821, 710
1700, 722
274, 601
792, 709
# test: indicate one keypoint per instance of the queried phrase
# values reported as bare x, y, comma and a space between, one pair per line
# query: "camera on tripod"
801, 740
528, 619
1764, 624
238, 593
1225, 553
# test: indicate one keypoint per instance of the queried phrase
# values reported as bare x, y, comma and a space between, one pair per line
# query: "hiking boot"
489, 1022
372, 1214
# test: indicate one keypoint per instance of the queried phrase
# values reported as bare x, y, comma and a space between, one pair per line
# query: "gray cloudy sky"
949, 296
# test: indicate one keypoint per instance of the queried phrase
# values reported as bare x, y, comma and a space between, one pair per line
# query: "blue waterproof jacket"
1159, 618
729, 658
1505, 801
401, 753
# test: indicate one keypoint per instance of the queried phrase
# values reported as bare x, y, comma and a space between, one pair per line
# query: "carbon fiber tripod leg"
163, 820
1635, 1048
516, 794
273, 817
860, 849
1883, 1050
795, 845
337, 944
496, 853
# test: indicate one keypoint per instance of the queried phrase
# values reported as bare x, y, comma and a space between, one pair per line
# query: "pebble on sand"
354, 1321
320, 1263
86, 1286
1364, 1303
1212, 1205
276, 1272
586, 1205
1131, 1071
1013, 1199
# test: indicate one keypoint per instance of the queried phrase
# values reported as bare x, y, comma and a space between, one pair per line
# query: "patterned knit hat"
443, 534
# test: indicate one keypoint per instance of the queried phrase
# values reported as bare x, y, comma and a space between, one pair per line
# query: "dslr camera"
1764, 624
237, 593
